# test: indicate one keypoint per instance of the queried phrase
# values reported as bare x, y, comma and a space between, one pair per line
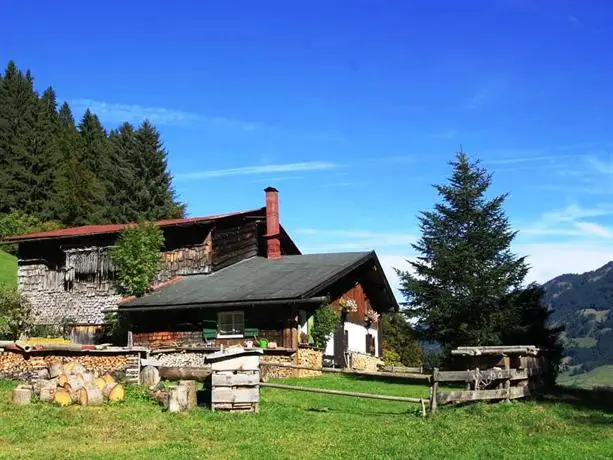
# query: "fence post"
434, 390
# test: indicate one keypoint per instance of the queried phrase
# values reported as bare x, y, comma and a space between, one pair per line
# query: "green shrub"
137, 258
390, 357
19, 223
325, 321
15, 313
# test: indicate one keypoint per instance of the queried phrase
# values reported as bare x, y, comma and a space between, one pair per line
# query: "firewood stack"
69, 383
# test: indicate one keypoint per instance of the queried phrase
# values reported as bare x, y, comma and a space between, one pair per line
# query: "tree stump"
22, 395
177, 399
192, 396
150, 376
91, 396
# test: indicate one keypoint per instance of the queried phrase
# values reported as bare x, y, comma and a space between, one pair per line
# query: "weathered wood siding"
355, 292
234, 242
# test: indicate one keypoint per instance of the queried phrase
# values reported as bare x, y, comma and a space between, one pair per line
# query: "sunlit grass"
298, 425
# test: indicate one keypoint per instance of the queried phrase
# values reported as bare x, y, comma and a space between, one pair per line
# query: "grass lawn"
8, 269
602, 375
298, 425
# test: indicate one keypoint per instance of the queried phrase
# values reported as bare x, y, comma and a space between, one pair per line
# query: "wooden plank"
240, 363
420, 377
343, 393
235, 379
491, 374
235, 395
464, 396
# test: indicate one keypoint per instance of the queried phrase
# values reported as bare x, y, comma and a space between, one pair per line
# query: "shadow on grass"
598, 398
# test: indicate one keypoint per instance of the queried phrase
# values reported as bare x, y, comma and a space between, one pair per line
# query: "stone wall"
364, 362
16, 365
52, 303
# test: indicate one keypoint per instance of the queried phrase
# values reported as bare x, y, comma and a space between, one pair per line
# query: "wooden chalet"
226, 279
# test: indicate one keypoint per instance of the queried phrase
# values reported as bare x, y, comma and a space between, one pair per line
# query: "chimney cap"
271, 189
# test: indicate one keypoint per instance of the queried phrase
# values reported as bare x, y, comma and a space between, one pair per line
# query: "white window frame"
233, 313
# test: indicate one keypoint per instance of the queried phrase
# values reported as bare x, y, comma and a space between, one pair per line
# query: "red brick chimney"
273, 244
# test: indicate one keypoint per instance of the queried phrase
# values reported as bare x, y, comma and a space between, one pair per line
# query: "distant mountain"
583, 303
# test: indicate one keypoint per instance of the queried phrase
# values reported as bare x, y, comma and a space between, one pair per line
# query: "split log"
100, 383
184, 373
68, 367
108, 378
62, 380
78, 369
55, 369
86, 377
22, 395
150, 376
90, 396
113, 392
161, 397
47, 394
192, 396
75, 396
62, 397
73, 383
177, 399
39, 384
42, 374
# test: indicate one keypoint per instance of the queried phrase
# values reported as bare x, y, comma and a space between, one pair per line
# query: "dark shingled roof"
257, 279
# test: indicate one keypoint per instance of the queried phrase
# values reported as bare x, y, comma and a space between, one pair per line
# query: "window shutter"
209, 330
346, 341
367, 349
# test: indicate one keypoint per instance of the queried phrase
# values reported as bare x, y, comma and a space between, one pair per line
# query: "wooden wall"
355, 292
236, 241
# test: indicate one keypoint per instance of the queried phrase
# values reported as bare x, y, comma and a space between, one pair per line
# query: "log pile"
69, 383
24, 366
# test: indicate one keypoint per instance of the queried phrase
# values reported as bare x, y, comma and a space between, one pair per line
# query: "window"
230, 324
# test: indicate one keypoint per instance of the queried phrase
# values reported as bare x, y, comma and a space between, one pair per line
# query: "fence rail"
405, 376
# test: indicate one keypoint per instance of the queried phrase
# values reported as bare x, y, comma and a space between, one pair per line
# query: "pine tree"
156, 198
465, 269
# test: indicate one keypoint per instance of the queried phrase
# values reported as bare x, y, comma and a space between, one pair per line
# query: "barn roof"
89, 230
261, 280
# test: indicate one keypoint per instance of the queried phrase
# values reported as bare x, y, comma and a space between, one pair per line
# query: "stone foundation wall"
364, 362
20, 366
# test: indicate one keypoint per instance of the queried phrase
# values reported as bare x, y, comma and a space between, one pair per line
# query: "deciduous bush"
15, 313
137, 258
325, 321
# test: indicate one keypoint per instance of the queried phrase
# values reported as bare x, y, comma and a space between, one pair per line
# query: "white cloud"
528, 159
254, 170
549, 260
114, 112
591, 228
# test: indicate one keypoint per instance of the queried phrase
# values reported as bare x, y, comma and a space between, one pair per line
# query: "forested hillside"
56, 171
583, 304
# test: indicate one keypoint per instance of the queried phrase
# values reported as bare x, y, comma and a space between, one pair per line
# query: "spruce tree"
94, 156
126, 181
156, 198
78, 191
18, 107
465, 270
44, 154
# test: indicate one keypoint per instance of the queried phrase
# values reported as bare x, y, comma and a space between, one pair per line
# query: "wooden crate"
234, 383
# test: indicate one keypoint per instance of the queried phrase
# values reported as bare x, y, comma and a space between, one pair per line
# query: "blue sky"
352, 109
